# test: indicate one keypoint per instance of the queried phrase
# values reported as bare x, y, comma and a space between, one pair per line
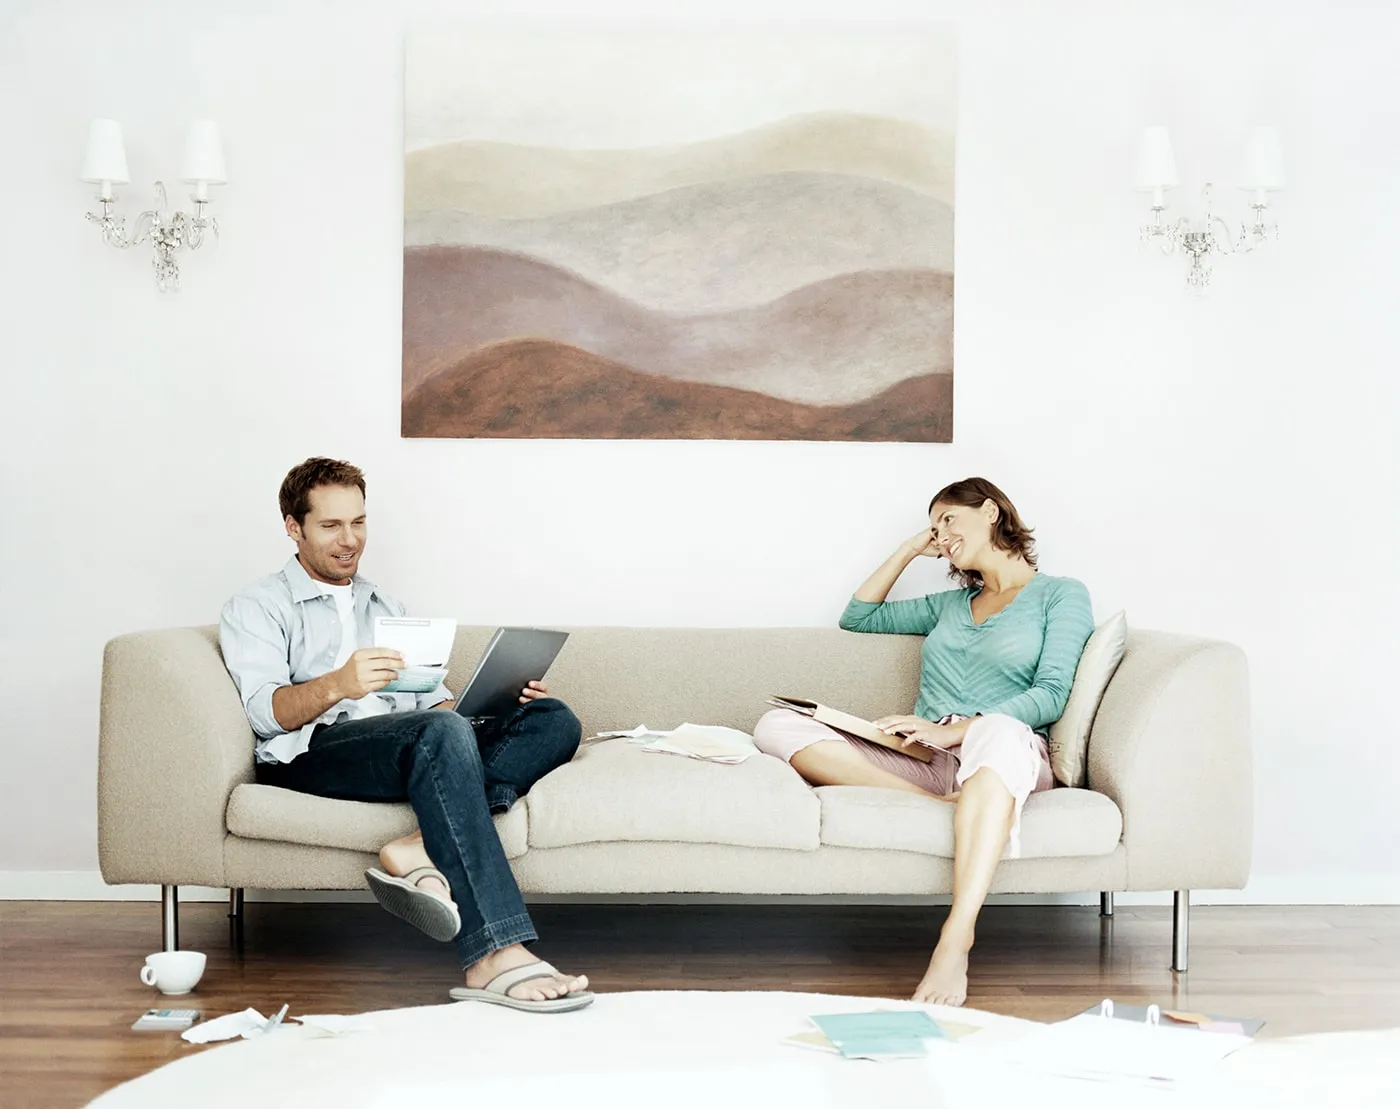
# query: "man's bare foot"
945, 982
401, 856
537, 989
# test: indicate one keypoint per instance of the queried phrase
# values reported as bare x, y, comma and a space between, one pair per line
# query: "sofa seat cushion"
284, 815
1055, 823
613, 791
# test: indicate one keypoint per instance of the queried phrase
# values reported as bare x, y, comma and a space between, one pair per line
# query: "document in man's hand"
425, 644
853, 725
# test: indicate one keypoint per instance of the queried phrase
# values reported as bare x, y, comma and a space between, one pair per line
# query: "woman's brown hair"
1009, 531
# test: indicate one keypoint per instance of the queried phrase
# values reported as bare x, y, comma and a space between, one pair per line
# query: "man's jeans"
454, 776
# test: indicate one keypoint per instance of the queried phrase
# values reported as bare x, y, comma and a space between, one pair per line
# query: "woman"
998, 661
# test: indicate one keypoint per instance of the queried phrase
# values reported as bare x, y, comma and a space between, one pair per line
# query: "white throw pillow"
1069, 735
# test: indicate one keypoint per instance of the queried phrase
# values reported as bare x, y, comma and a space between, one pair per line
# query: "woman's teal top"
1020, 661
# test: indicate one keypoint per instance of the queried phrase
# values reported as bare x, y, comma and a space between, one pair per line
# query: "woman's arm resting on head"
868, 611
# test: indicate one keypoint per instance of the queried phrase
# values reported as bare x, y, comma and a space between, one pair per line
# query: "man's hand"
915, 729
367, 671
533, 692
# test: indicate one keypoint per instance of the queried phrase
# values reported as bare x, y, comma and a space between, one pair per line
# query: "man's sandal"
426, 911
494, 992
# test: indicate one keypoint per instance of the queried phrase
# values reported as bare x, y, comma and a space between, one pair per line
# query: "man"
299, 645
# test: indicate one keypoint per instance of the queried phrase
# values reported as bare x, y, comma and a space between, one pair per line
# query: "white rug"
689, 1050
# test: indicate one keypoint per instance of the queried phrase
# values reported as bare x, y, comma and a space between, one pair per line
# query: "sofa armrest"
173, 742
1171, 746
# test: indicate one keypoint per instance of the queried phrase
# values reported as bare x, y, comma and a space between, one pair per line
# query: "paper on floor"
248, 1023
1110, 1050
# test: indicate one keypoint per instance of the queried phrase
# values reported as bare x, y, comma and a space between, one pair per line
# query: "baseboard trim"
1318, 889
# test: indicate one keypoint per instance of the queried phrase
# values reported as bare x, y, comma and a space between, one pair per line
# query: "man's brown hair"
294, 498
1009, 531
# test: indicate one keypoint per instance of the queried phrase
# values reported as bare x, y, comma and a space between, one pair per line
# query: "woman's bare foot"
945, 982
401, 856
537, 989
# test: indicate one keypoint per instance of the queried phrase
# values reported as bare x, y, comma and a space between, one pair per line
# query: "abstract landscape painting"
690, 236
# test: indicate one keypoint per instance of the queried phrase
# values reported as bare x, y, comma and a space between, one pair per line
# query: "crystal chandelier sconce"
168, 232
1204, 238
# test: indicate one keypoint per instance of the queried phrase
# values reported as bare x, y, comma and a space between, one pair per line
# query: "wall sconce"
105, 165
1261, 173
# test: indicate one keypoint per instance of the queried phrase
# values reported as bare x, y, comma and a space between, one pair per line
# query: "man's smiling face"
332, 537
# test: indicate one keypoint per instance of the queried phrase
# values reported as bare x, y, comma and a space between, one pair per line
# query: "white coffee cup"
173, 972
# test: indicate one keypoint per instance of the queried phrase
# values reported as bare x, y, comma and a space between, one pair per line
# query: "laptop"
514, 658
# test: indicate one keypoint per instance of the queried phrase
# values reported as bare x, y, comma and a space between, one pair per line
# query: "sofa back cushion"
1069, 736
663, 677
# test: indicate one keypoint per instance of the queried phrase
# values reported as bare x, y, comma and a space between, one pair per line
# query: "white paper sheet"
247, 1024
1095, 1047
423, 641
710, 742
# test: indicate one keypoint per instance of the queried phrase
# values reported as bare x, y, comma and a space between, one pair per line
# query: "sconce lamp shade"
106, 155
204, 155
1263, 160
1156, 166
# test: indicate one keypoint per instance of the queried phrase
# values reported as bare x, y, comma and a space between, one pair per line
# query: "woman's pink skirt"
1017, 755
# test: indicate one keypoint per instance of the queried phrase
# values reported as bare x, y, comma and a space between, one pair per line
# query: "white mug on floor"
173, 972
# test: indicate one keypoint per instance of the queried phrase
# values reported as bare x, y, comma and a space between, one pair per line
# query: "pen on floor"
275, 1020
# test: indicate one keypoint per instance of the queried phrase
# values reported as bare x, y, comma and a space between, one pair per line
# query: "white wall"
1223, 467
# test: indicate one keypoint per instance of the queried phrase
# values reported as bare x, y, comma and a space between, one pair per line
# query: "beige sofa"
1169, 808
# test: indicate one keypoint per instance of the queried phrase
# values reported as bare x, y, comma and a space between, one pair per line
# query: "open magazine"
852, 725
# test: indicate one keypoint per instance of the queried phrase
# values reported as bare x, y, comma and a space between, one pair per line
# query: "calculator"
156, 1019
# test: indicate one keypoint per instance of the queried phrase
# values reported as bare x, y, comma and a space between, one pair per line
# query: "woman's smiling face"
960, 532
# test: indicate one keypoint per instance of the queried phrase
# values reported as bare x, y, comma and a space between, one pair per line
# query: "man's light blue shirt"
285, 630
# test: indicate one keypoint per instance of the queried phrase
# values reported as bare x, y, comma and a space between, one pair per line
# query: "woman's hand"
915, 729
877, 586
533, 692
921, 543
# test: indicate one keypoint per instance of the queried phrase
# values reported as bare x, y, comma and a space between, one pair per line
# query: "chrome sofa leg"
170, 918
1181, 929
1106, 903
235, 918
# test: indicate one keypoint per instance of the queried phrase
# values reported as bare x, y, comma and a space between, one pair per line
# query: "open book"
852, 725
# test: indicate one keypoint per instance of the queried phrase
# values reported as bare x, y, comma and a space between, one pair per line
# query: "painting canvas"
738, 234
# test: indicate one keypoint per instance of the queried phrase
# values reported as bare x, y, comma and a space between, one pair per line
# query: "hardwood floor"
69, 989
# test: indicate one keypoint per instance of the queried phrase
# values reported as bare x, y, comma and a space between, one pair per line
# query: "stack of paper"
1099, 1047
709, 742
1180, 1018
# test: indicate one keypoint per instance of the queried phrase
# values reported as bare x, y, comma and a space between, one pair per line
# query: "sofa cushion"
271, 813
1055, 823
614, 791
1069, 735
